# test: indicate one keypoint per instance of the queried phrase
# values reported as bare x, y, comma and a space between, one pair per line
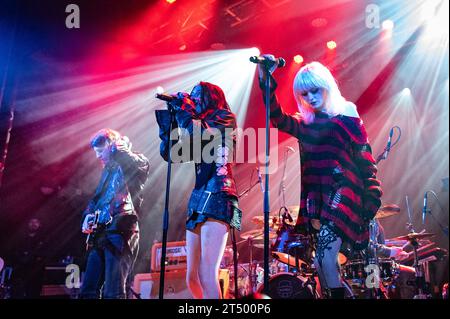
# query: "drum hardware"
414, 236
257, 234
419, 268
290, 286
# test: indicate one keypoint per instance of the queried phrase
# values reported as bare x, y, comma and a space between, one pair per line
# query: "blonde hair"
316, 75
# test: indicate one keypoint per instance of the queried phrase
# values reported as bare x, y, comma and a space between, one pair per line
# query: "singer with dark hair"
213, 204
339, 190
111, 218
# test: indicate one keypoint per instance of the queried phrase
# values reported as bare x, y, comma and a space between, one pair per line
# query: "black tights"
326, 260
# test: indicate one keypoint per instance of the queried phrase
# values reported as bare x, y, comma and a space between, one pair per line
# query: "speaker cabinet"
147, 285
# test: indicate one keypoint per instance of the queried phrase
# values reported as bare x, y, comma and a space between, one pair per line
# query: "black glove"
181, 101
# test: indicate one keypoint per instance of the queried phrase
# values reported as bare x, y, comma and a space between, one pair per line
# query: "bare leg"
214, 235
193, 262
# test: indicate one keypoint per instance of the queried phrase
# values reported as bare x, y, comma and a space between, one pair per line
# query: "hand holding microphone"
269, 62
174, 101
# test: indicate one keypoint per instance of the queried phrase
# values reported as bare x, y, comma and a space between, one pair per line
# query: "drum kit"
292, 272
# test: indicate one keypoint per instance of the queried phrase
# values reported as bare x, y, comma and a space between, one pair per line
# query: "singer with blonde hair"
339, 190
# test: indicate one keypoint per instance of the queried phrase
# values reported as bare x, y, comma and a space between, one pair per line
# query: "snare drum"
354, 270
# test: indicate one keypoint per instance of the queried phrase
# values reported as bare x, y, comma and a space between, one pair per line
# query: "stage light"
170, 1
387, 25
254, 51
406, 92
331, 45
298, 59
435, 14
159, 90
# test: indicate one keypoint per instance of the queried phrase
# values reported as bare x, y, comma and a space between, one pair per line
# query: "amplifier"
175, 256
147, 285
54, 283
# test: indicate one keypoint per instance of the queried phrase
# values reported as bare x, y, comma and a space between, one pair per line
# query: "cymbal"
257, 234
411, 236
387, 211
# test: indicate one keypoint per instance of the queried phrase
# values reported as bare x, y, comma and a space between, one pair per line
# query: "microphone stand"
409, 225
282, 188
428, 211
266, 188
166, 210
388, 147
234, 243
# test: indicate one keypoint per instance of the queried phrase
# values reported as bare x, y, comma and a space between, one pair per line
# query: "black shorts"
220, 206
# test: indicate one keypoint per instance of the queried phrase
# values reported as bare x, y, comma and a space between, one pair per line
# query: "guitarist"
111, 218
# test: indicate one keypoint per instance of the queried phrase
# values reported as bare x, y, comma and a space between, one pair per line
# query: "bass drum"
289, 286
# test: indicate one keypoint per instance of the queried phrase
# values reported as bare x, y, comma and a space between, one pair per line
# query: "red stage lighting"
331, 45
298, 59
170, 1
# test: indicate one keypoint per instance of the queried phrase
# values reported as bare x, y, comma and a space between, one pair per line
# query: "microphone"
165, 97
424, 210
280, 62
260, 179
388, 145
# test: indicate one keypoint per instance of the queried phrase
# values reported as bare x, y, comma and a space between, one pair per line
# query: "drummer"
396, 252
383, 251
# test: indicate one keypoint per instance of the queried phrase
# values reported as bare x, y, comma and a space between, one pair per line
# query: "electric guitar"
94, 227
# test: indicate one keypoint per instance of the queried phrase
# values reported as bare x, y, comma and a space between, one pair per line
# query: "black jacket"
216, 175
119, 196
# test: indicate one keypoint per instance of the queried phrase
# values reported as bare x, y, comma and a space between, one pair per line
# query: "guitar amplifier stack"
176, 256
147, 284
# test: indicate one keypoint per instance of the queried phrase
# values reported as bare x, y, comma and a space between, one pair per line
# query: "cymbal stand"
409, 225
420, 277
252, 276
375, 292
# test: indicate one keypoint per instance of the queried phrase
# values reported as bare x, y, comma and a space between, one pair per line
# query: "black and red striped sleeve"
279, 119
362, 153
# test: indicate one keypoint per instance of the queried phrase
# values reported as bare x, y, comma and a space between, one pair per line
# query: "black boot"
336, 293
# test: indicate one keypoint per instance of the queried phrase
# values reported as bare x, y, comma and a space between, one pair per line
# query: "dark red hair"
214, 97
